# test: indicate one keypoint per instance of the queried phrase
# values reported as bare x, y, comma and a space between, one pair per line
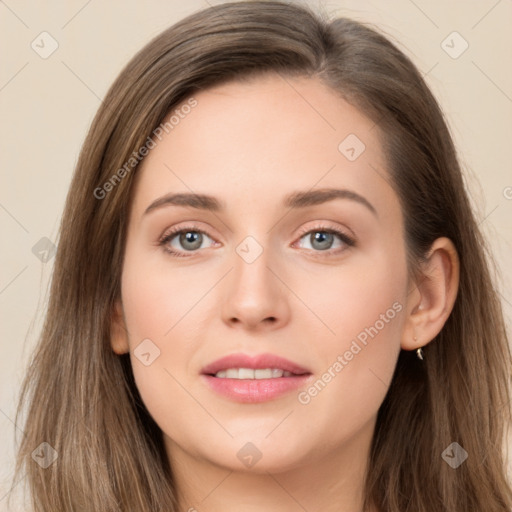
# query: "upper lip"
258, 361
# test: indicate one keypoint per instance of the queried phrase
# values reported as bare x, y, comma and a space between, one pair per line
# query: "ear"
118, 331
431, 299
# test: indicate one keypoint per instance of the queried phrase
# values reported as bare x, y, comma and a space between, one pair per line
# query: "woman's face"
263, 274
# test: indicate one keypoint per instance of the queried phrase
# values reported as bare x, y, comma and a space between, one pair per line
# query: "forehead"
264, 138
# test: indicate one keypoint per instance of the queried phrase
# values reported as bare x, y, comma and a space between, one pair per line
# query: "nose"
256, 296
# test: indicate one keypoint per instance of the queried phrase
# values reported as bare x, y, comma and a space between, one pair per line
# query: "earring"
419, 352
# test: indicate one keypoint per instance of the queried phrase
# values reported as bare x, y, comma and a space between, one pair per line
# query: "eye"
322, 238
189, 239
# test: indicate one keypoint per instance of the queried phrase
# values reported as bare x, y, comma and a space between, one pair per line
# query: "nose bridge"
251, 273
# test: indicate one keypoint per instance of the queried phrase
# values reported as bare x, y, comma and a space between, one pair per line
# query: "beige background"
46, 106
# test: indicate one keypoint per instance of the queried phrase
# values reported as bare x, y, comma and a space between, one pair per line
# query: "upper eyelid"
321, 225
172, 232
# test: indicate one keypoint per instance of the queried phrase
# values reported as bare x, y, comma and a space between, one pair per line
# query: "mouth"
253, 373
251, 379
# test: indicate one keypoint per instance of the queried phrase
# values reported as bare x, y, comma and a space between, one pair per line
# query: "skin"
250, 144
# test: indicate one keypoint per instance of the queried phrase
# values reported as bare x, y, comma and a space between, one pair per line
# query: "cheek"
153, 305
157, 296
362, 300
359, 361
369, 309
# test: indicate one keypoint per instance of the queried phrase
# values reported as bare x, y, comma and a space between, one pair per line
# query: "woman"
270, 291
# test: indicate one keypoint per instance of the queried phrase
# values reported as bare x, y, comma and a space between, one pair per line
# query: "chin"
259, 455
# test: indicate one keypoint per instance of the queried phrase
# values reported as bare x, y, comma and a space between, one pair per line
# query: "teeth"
264, 374
243, 373
249, 373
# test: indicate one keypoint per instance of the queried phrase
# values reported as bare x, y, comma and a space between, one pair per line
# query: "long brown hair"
81, 396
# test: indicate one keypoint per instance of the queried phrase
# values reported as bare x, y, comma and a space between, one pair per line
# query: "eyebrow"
301, 199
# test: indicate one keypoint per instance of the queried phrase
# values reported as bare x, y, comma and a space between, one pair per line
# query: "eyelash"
169, 235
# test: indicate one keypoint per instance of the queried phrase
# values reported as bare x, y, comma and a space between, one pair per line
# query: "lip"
254, 390
259, 361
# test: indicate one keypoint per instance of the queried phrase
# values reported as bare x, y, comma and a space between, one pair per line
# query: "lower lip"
255, 390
